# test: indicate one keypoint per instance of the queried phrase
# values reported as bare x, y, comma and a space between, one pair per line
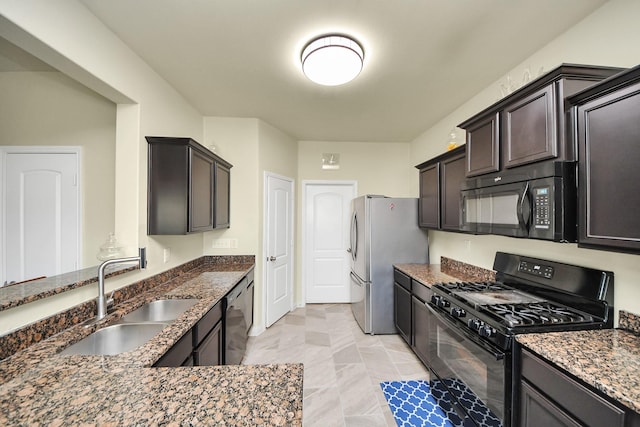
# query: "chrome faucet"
141, 259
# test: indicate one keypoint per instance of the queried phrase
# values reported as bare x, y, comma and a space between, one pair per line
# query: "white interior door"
326, 240
278, 247
41, 215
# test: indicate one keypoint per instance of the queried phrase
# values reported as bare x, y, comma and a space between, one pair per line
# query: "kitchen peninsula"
41, 387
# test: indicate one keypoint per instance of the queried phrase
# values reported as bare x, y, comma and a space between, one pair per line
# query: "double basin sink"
133, 330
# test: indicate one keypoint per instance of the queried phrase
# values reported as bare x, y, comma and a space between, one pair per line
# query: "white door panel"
278, 247
326, 240
41, 215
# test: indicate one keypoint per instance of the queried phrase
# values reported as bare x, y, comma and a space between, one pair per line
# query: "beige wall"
49, 108
58, 33
609, 36
253, 147
377, 168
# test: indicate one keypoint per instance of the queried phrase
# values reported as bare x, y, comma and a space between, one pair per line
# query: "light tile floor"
343, 367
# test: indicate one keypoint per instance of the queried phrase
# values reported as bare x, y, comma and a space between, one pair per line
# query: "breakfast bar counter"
40, 386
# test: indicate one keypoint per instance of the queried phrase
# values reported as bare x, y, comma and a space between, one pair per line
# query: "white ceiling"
423, 58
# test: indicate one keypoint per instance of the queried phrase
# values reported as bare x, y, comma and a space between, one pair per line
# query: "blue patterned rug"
427, 404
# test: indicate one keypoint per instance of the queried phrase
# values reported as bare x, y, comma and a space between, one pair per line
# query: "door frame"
265, 246
37, 149
305, 258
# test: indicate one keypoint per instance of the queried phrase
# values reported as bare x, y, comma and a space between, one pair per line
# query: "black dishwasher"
235, 330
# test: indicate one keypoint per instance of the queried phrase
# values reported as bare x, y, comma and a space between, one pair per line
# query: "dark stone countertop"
606, 359
41, 387
448, 271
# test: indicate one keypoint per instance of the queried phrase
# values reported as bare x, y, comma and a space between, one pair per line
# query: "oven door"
476, 373
499, 209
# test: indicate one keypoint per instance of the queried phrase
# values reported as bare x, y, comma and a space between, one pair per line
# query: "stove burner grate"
473, 286
538, 313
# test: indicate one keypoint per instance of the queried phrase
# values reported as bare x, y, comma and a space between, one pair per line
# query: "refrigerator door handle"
354, 237
356, 280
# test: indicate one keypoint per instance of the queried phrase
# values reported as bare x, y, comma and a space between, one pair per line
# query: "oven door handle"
498, 354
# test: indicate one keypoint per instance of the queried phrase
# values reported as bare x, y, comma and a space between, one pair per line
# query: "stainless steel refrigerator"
384, 231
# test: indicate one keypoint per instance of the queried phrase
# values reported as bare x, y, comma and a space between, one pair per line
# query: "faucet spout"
141, 259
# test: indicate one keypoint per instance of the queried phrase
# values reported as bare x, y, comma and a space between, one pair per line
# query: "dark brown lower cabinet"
420, 330
179, 354
202, 345
420, 320
402, 309
207, 338
537, 410
209, 352
402, 304
550, 397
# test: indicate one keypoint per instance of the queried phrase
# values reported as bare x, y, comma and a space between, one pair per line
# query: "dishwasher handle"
234, 295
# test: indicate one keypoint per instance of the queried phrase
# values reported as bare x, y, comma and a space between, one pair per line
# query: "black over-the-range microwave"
536, 201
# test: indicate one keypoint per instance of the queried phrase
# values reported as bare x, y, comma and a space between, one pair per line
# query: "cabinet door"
167, 196
578, 401
428, 204
536, 410
452, 173
420, 329
200, 192
609, 155
529, 129
402, 311
209, 353
482, 146
178, 354
222, 192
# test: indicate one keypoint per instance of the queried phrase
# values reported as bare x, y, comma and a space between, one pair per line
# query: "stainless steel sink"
164, 310
116, 339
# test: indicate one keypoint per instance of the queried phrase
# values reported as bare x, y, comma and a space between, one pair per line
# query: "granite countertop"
41, 387
607, 359
448, 271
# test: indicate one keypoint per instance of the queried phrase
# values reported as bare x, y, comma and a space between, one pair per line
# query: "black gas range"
473, 326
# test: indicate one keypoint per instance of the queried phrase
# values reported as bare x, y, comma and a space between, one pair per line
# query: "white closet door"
41, 215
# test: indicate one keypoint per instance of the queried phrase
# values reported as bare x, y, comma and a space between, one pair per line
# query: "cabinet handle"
272, 258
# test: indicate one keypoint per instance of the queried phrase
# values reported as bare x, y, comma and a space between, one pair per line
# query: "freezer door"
361, 302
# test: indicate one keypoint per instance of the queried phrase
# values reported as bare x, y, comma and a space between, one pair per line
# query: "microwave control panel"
542, 207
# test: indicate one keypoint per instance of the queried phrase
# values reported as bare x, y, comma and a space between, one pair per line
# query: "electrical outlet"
234, 243
166, 254
221, 244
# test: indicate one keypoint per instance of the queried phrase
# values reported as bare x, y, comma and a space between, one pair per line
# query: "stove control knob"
435, 299
474, 324
486, 331
443, 303
458, 312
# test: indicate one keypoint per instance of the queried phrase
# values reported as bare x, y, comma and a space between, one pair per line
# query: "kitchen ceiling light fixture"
332, 60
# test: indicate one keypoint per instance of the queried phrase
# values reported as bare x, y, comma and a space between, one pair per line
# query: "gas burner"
536, 313
473, 286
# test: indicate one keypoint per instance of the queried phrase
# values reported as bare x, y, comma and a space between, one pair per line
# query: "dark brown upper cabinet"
187, 188
529, 128
452, 174
222, 180
440, 181
607, 120
528, 125
483, 150
428, 212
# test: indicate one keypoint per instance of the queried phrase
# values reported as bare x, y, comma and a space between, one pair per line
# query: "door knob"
272, 258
